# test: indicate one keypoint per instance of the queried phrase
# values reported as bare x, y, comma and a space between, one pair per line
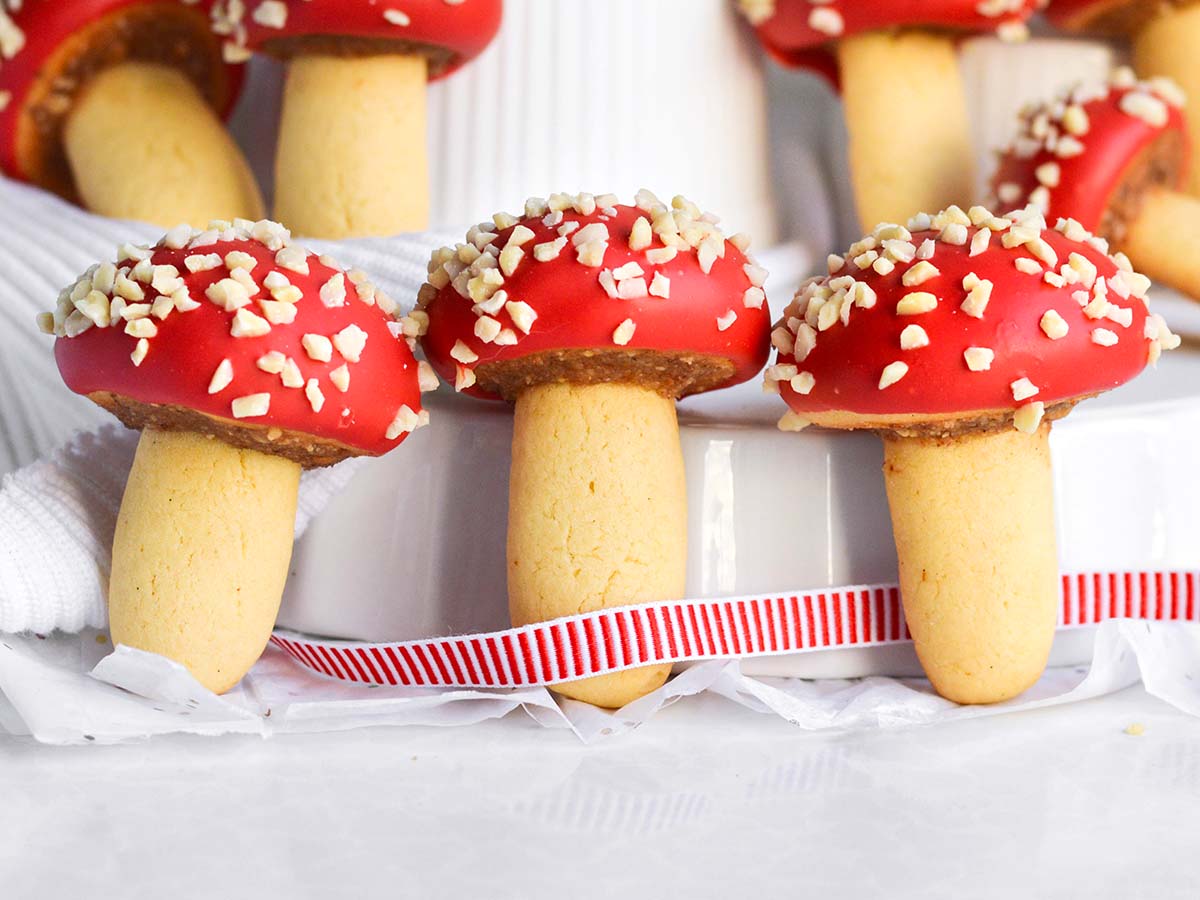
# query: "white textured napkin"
57, 518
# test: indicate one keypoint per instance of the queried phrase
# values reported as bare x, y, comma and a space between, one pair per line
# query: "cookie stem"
1166, 46
143, 144
1163, 241
352, 158
201, 552
597, 513
973, 518
906, 113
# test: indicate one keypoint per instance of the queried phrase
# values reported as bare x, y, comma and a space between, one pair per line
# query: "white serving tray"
415, 546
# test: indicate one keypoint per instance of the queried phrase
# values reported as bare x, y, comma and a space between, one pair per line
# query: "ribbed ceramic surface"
609, 96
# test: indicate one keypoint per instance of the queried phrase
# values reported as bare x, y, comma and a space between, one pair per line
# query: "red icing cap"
461, 28
1072, 154
791, 30
584, 272
240, 324
960, 315
33, 31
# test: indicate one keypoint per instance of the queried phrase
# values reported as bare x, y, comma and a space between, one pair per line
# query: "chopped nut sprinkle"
624, 332
1023, 389
316, 398
251, 406
1028, 418
1054, 325
221, 378
916, 303
979, 359
913, 337
892, 373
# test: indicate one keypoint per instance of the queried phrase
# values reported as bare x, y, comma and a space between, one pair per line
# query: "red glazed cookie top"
243, 326
33, 71
584, 273
960, 320
451, 32
1072, 155
790, 29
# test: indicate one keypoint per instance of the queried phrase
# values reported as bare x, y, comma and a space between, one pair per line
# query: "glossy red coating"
789, 36
190, 345
44, 25
1087, 181
464, 28
574, 311
848, 360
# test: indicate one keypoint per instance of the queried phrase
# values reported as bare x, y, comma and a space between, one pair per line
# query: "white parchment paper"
70, 689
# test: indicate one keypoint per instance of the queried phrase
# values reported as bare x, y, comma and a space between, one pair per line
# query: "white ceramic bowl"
611, 96
415, 547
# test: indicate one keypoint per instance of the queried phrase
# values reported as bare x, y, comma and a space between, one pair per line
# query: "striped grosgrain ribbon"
611, 640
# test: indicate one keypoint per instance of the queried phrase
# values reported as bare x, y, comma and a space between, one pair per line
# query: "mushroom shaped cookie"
905, 105
1112, 157
352, 150
1165, 37
114, 104
959, 339
243, 359
594, 318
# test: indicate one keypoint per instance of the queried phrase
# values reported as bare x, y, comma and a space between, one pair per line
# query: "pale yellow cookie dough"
1162, 241
201, 553
973, 518
1168, 46
906, 114
143, 144
597, 513
351, 160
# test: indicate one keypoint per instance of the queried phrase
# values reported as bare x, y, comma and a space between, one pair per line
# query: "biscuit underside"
671, 373
1120, 17
938, 426
166, 33
439, 58
1158, 165
306, 450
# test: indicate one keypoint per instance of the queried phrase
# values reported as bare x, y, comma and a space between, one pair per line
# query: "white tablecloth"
707, 800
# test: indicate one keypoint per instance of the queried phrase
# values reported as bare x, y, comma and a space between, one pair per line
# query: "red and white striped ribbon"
611, 640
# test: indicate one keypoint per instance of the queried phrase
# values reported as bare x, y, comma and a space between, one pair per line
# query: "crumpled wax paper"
69, 689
